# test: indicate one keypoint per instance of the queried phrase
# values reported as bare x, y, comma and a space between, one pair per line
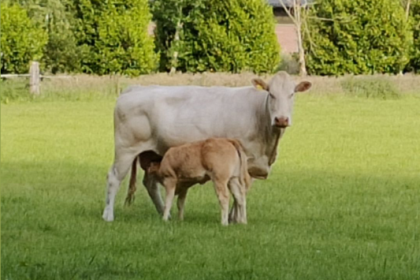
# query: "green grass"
342, 201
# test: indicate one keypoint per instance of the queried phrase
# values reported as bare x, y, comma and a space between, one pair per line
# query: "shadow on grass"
79, 190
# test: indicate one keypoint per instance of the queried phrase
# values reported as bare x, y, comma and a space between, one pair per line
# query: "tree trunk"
407, 10
174, 61
298, 26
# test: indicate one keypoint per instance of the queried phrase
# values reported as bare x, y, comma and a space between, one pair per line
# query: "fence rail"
14, 75
34, 77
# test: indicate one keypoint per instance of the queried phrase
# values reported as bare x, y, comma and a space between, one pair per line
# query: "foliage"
370, 87
112, 36
414, 64
356, 36
21, 40
60, 53
289, 63
219, 36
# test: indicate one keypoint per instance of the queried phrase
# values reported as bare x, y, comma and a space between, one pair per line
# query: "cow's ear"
303, 86
259, 84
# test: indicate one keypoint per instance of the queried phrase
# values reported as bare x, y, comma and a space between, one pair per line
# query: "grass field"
342, 201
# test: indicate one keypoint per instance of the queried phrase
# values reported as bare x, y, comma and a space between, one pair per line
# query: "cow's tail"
244, 178
132, 185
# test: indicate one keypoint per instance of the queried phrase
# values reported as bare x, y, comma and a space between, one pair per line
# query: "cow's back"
159, 117
185, 114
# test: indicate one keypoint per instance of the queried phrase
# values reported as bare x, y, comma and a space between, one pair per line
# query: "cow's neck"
271, 135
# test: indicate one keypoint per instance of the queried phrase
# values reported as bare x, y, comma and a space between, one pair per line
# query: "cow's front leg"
152, 187
238, 211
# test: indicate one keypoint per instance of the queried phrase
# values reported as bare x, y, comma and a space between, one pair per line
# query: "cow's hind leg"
145, 158
116, 174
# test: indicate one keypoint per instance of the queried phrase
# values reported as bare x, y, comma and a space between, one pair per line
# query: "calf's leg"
170, 186
181, 203
223, 196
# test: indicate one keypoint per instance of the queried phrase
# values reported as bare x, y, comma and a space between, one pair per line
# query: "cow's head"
281, 90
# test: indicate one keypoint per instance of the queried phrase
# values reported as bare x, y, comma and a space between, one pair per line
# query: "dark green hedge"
219, 36
112, 37
414, 64
356, 36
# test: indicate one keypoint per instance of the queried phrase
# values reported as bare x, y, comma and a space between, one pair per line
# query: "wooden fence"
34, 77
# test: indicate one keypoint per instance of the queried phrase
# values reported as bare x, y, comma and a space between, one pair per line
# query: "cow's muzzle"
281, 122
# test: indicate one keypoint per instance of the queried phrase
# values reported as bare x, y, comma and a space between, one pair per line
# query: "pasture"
342, 200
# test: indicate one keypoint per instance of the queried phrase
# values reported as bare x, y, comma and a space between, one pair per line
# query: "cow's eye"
272, 96
291, 95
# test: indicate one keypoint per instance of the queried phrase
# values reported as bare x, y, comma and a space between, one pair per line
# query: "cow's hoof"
108, 215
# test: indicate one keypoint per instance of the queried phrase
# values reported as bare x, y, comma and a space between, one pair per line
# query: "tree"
21, 40
113, 38
296, 15
356, 36
210, 35
413, 14
60, 52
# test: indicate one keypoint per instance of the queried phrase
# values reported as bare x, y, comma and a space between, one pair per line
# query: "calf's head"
153, 168
281, 90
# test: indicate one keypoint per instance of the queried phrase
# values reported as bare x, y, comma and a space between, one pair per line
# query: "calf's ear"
259, 84
303, 86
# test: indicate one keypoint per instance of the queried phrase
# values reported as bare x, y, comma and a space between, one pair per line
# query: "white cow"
150, 120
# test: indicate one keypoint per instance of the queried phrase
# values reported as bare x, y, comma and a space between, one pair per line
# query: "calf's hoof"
244, 222
166, 218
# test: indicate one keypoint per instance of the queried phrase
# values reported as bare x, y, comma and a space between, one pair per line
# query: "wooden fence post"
34, 78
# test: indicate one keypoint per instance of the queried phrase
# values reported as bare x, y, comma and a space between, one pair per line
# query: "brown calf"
218, 159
